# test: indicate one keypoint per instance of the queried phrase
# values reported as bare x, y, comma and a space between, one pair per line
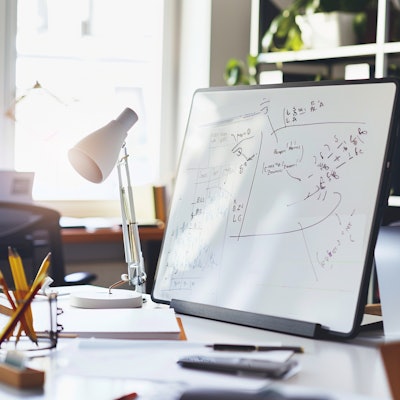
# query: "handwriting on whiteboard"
273, 173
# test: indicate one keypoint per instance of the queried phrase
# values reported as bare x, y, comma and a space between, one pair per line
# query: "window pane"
91, 59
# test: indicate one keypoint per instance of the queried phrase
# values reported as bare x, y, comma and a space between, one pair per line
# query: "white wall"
230, 35
200, 37
211, 32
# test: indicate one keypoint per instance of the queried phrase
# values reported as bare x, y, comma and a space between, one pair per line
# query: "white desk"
346, 370
333, 366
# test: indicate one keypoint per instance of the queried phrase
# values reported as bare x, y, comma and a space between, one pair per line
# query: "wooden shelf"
101, 235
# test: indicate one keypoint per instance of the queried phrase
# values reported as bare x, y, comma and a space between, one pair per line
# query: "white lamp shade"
95, 156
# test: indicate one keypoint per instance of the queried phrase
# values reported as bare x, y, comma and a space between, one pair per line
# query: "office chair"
33, 231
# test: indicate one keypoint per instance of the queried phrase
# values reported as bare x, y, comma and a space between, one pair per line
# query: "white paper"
142, 323
156, 361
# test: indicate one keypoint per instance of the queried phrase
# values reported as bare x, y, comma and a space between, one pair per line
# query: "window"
79, 63
91, 59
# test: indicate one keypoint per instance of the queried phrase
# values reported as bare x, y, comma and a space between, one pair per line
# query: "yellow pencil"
6, 291
14, 270
18, 274
19, 312
6, 310
3, 309
21, 289
20, 270
41, 275
44, 267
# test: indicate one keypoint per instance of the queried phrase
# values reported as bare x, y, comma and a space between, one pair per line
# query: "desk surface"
347, 367
344, 370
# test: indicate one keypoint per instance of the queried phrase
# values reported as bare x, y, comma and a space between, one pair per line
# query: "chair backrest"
32, 231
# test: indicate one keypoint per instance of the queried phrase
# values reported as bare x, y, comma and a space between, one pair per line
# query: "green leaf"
294, 40
267, 40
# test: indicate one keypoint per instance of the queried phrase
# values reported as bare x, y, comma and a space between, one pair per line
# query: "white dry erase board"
276, 207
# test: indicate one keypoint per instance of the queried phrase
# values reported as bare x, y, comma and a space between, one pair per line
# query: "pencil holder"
46, 328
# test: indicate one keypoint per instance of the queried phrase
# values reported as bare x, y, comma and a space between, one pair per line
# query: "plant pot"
327, 30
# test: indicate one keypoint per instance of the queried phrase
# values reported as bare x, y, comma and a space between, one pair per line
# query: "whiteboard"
274, 211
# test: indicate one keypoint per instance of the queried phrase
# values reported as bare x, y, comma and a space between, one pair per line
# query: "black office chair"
33, 231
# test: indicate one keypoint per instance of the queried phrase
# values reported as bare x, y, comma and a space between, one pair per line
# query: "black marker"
249, 348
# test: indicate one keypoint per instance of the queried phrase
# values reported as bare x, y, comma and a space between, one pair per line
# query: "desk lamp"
93, 158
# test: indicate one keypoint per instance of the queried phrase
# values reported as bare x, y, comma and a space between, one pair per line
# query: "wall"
230, 35
211, 32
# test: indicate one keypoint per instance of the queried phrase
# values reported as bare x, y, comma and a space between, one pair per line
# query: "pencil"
26, 302
6, 310
21, 289
6, 291
44, 267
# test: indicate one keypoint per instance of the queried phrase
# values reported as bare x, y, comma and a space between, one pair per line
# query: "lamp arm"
130, 230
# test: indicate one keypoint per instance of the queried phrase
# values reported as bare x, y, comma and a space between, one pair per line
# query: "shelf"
81, 235
392, 47
360, 50
329, 62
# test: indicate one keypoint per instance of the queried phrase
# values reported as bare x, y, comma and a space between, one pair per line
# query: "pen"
248, 348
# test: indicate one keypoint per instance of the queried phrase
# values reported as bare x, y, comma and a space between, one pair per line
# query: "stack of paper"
123, 323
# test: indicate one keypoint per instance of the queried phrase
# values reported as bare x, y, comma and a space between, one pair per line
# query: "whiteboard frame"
287, 325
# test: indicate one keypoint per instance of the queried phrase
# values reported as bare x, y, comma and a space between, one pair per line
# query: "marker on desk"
249, 348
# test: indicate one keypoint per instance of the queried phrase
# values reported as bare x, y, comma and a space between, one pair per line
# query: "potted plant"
238, 73
286, 29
